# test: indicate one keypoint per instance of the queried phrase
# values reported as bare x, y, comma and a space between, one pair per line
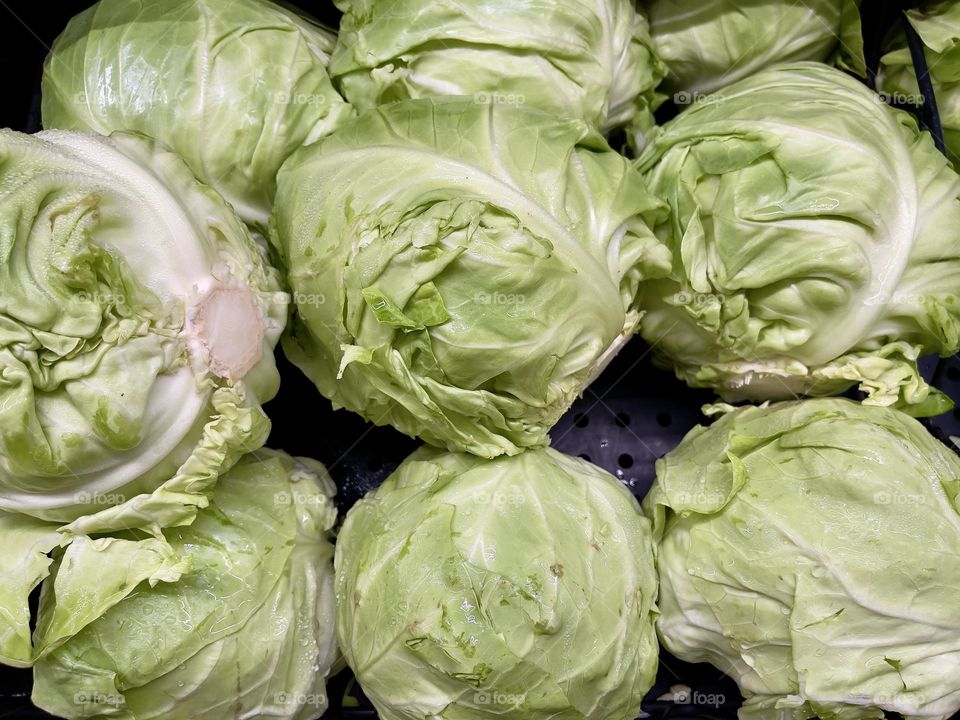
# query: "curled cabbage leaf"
709, 44
462, 271
230, 617
938, 25
816, 243
585, 59
518, 588
811, 550
233, 86
137, 327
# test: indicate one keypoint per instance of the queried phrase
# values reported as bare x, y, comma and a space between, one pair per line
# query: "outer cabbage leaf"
707, 45
24, 563
462, 271
938, 25
137, 326
584, 59
816, 243
234, 86
245, 631
811, 550
521, 587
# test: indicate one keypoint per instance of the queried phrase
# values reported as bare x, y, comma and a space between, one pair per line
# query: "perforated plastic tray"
632, 415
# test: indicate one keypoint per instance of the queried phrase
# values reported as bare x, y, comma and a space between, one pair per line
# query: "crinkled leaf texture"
521, 587
709, 44
230, 617
586, 59
137, 327
233, 86
816, 243
938, 25
462, 271
811, 550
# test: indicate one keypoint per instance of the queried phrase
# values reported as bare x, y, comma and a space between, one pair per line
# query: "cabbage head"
233, 86
709, 44
238, 622
811, 550
586, 59
519, 588
816, 243
462, 271
938, 25
137, 327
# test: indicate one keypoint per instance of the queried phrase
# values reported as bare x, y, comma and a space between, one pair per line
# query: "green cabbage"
137, 326
709, 44
816, 243
585, 59
234, 86
521, 587
462, 271
231, 617
938, 25
812, 551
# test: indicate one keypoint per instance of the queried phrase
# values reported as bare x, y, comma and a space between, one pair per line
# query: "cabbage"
709, 45
235, 620
938, 25
812, 551
585, 59
137, 326
816, 243
462, 271
521, 587
234, 86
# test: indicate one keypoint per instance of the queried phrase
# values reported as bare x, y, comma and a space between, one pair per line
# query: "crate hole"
625, 461
664, 419
581, 420
623, 420
584, 456
375, 464
953, 374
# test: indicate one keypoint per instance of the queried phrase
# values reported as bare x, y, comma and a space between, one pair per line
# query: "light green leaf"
233, 86
522, 586
137, 326
470, 304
